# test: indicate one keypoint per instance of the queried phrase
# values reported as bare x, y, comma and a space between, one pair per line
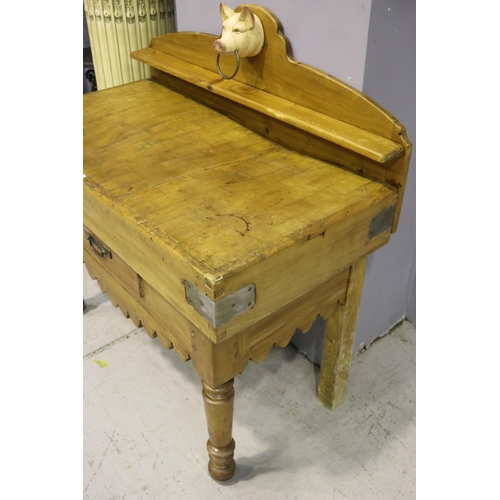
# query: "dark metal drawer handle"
97, 247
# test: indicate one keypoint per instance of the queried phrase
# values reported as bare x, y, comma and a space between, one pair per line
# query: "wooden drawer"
137, 299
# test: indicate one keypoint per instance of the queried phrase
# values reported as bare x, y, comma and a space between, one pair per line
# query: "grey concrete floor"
144, 424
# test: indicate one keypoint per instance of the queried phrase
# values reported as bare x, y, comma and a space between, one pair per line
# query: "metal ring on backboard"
235, 71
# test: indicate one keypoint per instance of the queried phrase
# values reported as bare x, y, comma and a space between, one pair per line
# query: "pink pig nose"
219, 46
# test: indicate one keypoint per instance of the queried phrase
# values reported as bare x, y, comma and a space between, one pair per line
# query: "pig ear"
247, 16
225, 11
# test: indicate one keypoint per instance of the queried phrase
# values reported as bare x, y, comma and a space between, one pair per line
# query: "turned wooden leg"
339, 338
219, 403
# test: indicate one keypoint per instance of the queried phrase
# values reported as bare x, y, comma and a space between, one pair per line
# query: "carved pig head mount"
242, 34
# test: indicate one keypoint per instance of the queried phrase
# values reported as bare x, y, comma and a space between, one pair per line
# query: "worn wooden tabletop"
224, 194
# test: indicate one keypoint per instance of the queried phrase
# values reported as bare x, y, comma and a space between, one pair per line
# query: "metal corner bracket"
381, 222
220, 311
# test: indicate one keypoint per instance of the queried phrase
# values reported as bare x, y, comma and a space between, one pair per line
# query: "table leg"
219, 403
339, 338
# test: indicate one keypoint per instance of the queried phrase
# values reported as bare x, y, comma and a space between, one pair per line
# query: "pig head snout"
219, 46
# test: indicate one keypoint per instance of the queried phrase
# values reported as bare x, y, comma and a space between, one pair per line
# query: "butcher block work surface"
224, 195
215, 199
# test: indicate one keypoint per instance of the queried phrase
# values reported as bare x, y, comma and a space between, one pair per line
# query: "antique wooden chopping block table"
221, 215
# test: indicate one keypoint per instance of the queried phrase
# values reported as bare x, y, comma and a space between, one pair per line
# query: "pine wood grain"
287, 92
212, 199
219, 407
339, 337
139, 301
332, 129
